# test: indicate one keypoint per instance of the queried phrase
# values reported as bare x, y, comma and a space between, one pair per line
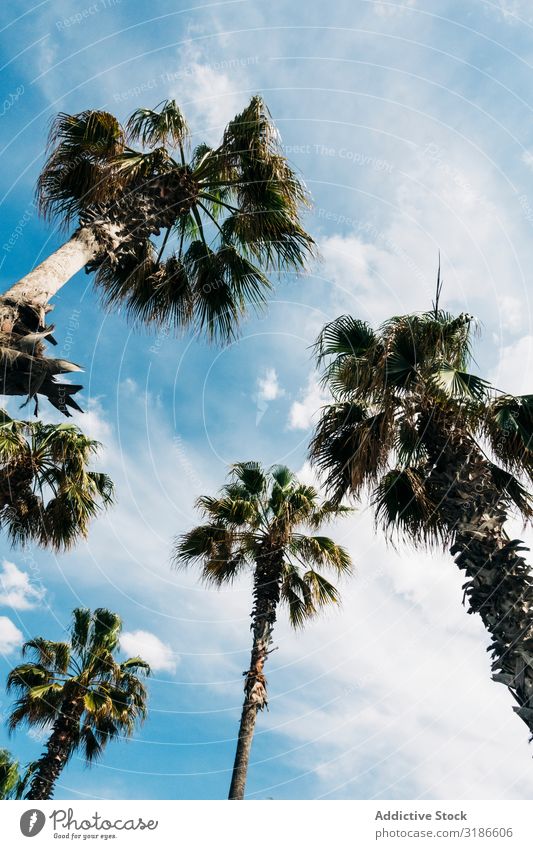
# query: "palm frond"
296, 594
404, 505
224, 286
351, 446
251, 475
513, 491
105, 631
458, 384
283, 476
26, 676
163, 126
78, 171
345, 336
323, 592
200, 542
9, 774
81, 628
321, 551
508, 426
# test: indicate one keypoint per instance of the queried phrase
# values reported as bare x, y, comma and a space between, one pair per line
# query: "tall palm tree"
48, 495
255, 524
9, 775
80, 691
444, 455
230, 215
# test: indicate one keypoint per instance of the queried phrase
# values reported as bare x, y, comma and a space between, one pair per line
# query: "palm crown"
391, 391
48, 495
230, 214
111, 695
259, 514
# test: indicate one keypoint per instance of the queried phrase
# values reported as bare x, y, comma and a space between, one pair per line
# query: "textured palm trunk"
499, 584
266, 599
41, 284
59, 747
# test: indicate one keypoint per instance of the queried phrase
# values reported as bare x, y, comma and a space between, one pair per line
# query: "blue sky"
412, 124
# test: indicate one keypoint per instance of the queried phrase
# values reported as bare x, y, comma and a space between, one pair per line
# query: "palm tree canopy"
391, 388
114, 696
231, 214
260, 511
48, 494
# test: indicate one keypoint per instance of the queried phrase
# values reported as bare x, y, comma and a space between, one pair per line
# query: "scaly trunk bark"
499, 585
41, 284
59, 747
266, 598
24, 367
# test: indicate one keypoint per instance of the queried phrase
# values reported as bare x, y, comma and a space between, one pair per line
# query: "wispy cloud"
304, 411
268, 389
215, 91
386, 9
17, 589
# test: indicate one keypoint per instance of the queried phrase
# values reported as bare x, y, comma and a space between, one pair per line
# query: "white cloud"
387, 9
268, 388
511, 313
212, 92
215, 100
146, 645
10, 636
303, 412
514, 10
513, 373
17, 590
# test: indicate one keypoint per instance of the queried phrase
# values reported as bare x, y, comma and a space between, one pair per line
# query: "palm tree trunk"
499, 584
266, 599
59, 747
41, 284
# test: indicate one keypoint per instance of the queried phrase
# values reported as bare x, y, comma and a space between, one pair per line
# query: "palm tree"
9, 775
442, 453
80, 691
255, 524
230, 215
47, 493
